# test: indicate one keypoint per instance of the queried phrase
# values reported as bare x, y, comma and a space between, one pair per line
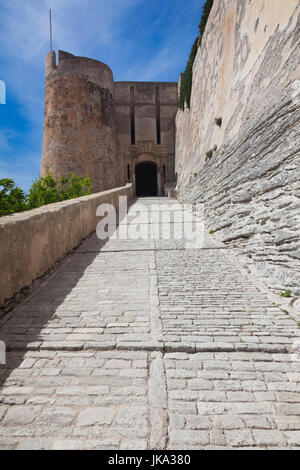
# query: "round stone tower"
79, 127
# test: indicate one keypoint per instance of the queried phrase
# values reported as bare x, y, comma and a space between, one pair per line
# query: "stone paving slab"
149, 344
204, 297
67, 400
108, 399
233, 400
103, 301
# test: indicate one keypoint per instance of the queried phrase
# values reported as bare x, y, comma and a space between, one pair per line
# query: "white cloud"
5, 136
105, 29
78, 27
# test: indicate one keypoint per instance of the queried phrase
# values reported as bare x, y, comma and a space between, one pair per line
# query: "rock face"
246, 105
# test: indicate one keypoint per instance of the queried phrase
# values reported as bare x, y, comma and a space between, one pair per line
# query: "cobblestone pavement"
136, 344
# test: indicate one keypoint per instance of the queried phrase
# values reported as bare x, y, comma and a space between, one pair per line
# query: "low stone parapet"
32, 242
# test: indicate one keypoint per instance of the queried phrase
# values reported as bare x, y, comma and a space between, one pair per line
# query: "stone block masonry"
149, 344
79, 126
103, 129
247, 73
156, 344
32, 242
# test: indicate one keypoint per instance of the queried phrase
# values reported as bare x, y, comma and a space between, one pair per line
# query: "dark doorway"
146, 179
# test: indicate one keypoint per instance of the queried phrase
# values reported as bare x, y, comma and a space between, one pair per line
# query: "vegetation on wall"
209, 154
42, 191
204, 18
187, 76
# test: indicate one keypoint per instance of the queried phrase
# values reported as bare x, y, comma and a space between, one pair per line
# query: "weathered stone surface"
89, 122
157, 386
57, 415
159, 428
79, 127
151, 102
95, 416
119, 395
20, 415
247, 72
32, 242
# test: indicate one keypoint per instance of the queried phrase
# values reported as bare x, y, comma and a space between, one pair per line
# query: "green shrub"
43, 191
75, 186
46, 190
186, 79
187, 76
287, 294
205, 15
209, 154
12, 198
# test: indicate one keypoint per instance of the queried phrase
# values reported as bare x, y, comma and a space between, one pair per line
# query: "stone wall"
147, 103
247, 73
31, 242
79, 127
92, 123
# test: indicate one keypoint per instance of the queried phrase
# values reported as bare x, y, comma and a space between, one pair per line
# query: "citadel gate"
146, 179
111, 132
147, 168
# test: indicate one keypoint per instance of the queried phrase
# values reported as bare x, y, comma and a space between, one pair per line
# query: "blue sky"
147, 40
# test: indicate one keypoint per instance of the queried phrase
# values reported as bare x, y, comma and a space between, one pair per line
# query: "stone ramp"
136, 344
205, 298
140, 400
75, 400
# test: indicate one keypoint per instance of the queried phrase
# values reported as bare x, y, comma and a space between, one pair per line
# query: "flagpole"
50, 30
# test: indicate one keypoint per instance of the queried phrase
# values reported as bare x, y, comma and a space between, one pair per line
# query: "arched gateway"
146, 179
103, 129
147, 168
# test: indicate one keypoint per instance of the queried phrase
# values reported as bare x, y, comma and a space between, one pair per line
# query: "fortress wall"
79, 125
144, 98
145, 115
97, 72
247, 72
32, 242
168, 111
